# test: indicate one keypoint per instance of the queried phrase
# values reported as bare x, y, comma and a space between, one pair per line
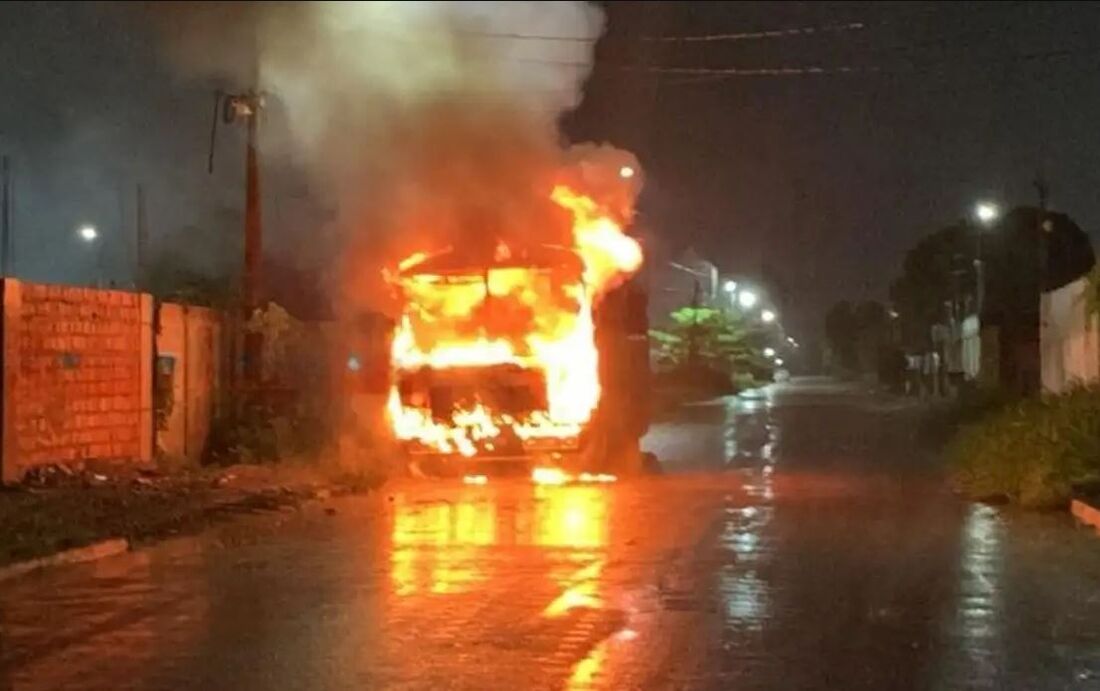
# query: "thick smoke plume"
424, 124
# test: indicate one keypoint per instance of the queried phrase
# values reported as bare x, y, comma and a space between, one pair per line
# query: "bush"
973, 404
263, 433
1036, 452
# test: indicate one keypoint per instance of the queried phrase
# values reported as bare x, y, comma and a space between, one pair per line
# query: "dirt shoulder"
59, 508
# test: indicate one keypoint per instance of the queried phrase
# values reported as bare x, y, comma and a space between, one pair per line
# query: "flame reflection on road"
444, 546
435, 545
574, 516
454, 544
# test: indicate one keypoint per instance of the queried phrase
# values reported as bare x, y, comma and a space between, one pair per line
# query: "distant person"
912, 374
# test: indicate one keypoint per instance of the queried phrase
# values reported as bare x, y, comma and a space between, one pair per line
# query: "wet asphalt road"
798, 541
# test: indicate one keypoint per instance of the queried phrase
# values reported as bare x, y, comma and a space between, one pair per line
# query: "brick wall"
77, 369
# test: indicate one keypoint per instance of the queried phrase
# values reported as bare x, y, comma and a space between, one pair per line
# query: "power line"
788, 70
782, 71
702, 74
697, 38
529, 37
763, 34
811, 30
758, 35
707, 74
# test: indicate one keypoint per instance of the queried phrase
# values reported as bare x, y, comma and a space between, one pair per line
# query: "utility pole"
979, 274
693, 331
233, 108
253, 239
140, 238
1042, 229
5, 216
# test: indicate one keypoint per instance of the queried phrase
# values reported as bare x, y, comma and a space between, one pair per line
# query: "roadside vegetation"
707, 352
58, 508
1035, 452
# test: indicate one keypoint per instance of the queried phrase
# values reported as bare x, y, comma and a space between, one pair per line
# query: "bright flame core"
499, 357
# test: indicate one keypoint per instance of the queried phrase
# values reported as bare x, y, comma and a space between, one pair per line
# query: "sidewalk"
58, 508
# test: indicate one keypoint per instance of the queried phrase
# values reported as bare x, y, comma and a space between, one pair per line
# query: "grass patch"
1035, 452
942, 423
39, 522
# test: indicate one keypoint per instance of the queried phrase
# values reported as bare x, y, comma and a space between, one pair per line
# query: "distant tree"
928, 280
870, 315
198, 264
940, 269
174, 283
858, 335
1013, 266
711, 339
842, 334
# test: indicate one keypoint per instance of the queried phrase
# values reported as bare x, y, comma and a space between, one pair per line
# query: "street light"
779, 362
626, 172
767, 316
87, 233
747, 299
730, 287
986, 212
769, 352
794, 343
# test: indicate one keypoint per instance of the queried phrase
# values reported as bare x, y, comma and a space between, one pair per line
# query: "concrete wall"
970, 347
191, 362
1069, 338
77, 371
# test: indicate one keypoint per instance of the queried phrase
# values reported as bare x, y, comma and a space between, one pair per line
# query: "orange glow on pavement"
572, 516
597, 477
549, 476
436, 547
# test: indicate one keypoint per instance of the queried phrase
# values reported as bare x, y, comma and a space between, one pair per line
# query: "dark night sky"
825, 178
829, 178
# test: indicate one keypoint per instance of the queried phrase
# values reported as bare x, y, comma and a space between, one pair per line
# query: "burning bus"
529, 353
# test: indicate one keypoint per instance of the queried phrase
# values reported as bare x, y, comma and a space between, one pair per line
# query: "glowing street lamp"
88, 235
794, 343
730, 287
747, 299
986, 212
626, 172
769, 352
767, 316
779, 362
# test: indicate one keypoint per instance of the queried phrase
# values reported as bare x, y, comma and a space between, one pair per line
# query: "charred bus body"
507, 360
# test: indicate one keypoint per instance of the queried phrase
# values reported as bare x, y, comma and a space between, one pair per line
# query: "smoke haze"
424, 125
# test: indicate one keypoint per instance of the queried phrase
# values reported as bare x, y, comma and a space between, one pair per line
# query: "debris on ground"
61, 506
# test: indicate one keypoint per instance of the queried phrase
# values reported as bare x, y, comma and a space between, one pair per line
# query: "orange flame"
607, 253
519, 314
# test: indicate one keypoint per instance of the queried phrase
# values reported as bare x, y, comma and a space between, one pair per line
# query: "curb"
78, 555
1085, 513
